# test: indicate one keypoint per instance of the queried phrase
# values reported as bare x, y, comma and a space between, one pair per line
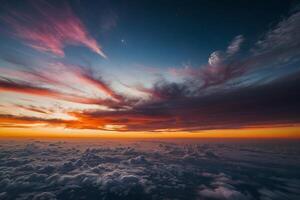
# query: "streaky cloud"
24, 88
262, 105
50, 29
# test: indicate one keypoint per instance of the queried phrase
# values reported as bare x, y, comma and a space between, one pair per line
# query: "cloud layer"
132, 170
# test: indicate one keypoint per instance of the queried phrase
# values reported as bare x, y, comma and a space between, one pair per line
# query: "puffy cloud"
216, 58
138, 160
222, 188
222, 193
219, 58
3, 195
223, 65
67, 171
44, 196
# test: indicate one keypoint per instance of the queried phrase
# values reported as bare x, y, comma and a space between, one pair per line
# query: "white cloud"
222, 193
219, 58
235, 45
285, 35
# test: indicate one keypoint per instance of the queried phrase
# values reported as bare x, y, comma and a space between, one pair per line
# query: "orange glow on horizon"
275, 132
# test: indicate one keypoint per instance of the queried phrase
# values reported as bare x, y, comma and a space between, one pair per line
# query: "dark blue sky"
166, 33
169, 33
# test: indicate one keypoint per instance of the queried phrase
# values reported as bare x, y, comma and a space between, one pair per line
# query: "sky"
150, 68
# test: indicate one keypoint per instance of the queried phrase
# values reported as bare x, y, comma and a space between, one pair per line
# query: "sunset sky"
142, 69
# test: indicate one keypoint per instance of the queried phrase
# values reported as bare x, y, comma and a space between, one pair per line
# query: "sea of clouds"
149, 169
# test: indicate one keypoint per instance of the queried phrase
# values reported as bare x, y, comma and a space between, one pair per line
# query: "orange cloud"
10, 86
86, 77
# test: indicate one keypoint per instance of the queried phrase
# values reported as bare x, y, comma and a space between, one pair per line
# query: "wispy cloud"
79, 85
33, 108
86, 77
265, 105
27, 120
235, 45
285, 35
219, 58
25, 88
258, 106
50, 29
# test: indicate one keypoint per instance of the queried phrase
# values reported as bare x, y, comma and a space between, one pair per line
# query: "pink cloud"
46, 83
185, 71
50, 29
85, 76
